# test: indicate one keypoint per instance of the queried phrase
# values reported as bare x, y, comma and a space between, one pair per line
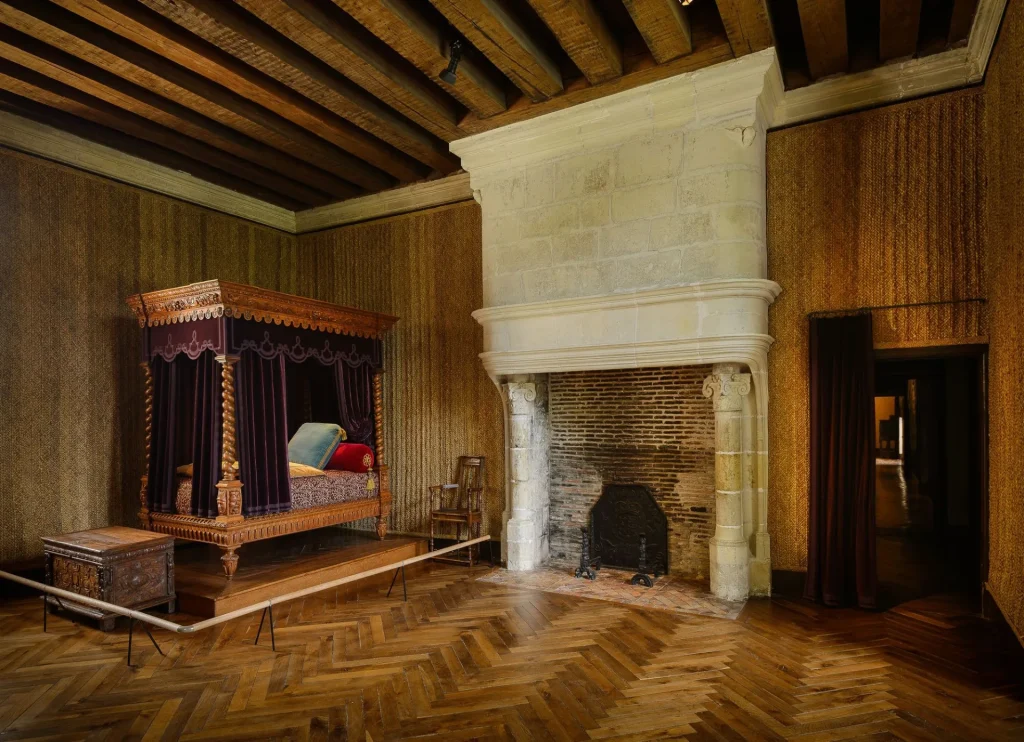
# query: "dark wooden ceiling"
307, 102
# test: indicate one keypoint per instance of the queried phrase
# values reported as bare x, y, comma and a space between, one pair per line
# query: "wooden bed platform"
280, 566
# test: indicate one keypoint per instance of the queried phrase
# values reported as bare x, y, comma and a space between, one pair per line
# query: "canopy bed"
232, 372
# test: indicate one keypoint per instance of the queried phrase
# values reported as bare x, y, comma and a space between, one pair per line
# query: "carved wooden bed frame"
230, 529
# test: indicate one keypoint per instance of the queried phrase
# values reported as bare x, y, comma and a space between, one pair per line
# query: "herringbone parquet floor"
466, 659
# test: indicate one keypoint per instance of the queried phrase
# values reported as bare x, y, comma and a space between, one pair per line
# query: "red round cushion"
352, 457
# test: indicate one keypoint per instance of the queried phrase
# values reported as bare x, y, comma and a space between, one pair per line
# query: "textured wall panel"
424, 268
72, 247
882, 207
1004, 134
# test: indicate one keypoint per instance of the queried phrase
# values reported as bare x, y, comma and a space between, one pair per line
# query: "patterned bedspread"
307, 492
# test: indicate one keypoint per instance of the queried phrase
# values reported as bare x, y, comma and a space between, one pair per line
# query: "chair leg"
430, 543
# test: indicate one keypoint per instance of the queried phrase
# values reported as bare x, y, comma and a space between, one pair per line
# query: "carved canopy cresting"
216, 298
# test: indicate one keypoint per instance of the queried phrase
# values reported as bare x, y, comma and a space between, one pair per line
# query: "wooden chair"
459, 503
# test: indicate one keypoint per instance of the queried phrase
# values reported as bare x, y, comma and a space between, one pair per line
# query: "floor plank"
468, 658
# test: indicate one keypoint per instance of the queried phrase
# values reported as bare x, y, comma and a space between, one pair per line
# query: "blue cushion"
313, 444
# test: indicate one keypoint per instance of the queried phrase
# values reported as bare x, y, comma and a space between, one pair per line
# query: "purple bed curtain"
186, 430
841, 568
262, 434
354, 387
206, 443
311, 394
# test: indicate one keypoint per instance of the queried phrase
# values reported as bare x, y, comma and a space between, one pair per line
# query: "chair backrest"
470, 475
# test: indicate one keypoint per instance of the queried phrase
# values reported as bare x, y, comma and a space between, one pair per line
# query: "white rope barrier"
263, 604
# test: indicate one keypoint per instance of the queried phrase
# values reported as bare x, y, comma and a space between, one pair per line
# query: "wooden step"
276, 567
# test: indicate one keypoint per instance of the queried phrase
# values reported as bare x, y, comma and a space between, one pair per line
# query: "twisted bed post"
384, 490
229, 489
144, 490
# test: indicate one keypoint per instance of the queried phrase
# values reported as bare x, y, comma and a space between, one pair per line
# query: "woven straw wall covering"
1004, 132
426, 269
72, 247
878, 208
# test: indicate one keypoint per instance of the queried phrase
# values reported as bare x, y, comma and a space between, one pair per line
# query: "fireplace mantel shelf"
708, 322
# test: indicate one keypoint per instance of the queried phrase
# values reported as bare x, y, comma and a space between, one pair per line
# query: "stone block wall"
666, 208
648, 426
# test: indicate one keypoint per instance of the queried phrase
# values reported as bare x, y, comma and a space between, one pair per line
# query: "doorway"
931, 473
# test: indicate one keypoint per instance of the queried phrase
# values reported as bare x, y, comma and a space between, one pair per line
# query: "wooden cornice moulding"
33, 138
452, 189
982, 39
218, 298
912, 78
38, 139
728, 89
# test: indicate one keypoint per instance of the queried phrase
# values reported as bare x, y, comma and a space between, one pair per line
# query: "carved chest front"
124, 566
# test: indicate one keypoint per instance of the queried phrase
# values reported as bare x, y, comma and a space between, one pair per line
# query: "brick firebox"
650, 426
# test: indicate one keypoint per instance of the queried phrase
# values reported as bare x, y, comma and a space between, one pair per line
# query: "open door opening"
931, 473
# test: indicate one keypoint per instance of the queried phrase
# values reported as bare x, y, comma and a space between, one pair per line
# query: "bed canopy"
231, 372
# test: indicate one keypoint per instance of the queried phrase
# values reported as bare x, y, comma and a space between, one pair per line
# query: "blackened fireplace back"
619, 518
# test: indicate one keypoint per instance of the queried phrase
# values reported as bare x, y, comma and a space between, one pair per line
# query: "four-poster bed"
231, 372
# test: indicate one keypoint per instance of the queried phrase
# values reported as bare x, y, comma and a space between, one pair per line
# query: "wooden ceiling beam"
142, 26
746, 24
584, 35
823, 23
664, 26
56, 26
341, 42
414, 123
709, 49
498, 35
962, 20
898, 23
99, 83
121, 142
404, 26
29, 84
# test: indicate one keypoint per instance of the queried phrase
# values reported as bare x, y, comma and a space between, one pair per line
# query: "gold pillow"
303, 470
185, 470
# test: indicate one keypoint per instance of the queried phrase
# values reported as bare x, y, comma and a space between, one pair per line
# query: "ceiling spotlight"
448, 75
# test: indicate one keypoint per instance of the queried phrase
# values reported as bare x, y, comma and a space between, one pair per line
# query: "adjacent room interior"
931, 506
511, 369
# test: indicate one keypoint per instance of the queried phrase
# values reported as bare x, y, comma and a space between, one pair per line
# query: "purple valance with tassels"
231, 336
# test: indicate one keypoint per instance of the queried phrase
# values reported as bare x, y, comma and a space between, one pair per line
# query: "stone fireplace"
627, 234
647, 427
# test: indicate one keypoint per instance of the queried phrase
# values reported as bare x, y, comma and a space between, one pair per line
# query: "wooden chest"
124, 566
